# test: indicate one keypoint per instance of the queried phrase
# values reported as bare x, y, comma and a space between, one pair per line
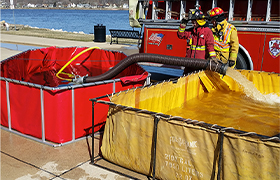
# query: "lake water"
68, 19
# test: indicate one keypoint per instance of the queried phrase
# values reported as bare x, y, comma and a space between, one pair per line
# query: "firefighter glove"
217, 61
184, 21
231, 63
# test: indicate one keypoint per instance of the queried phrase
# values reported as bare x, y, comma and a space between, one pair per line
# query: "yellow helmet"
201, 22
196, 14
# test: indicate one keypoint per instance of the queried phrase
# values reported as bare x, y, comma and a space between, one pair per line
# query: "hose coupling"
78, 80
223, 69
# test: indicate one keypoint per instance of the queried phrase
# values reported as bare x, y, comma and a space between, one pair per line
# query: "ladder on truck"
168, 18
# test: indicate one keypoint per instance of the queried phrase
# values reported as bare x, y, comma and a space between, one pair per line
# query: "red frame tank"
35, 102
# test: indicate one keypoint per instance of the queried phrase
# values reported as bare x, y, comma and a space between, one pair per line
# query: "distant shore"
116, 9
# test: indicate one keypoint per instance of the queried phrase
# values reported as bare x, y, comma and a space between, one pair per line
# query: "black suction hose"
162, 59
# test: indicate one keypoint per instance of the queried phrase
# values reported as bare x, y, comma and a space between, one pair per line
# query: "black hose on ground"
162, 59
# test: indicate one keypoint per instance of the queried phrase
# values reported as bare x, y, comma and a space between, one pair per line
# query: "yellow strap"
71, 75
234, 55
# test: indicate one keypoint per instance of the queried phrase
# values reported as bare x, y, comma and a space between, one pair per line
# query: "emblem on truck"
155, 38
274, 47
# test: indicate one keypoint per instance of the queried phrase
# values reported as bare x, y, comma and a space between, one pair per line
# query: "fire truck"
256, 21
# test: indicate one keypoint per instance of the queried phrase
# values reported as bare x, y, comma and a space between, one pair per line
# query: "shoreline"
105, 9
84, 28
24, 30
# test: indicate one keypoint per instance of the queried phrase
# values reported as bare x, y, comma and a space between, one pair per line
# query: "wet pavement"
25, 159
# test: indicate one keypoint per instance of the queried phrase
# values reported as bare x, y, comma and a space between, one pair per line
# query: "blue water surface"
68, 19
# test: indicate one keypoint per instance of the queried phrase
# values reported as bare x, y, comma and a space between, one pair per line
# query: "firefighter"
200, 41
226, 42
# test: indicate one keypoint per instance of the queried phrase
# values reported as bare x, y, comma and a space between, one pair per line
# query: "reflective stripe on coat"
227, 45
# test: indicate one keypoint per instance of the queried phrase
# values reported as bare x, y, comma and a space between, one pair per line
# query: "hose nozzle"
218, 67
223, 69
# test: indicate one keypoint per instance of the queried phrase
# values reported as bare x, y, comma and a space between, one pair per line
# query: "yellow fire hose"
71, 75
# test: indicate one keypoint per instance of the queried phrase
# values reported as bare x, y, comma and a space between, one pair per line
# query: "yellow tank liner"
139, 136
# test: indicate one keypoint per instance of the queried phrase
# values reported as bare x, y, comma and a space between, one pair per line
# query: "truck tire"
241, 62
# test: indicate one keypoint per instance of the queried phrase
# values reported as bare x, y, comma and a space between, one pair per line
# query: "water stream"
250, 89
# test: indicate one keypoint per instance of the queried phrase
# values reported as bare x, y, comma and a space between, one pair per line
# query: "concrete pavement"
25, 159
46, 42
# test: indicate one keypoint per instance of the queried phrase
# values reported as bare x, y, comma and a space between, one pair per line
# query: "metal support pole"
8, 105
154, 14
42, 115
268, 9
183, 10
168, 7
231, 10
114, 87
73, 115
249, 10
155, 145
220, 155
93, 101
92, 134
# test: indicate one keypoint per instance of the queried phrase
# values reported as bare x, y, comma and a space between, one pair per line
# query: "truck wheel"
241, 62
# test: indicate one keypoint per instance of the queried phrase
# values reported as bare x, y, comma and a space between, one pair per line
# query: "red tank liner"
37, 103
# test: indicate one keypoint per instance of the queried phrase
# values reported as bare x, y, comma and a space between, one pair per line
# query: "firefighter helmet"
215, 12
196, 14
